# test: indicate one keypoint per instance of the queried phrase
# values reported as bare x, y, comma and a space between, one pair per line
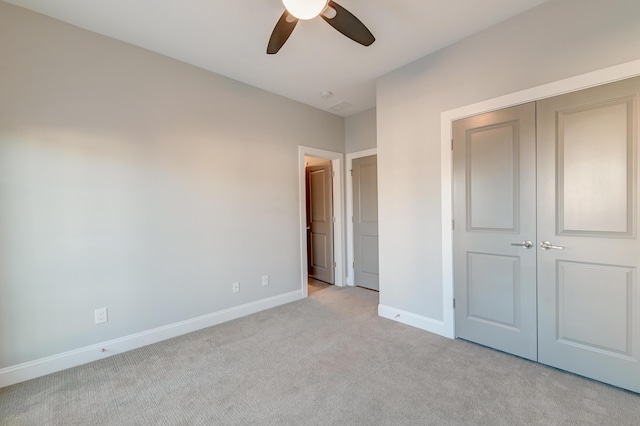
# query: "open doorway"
320, 218
321, 227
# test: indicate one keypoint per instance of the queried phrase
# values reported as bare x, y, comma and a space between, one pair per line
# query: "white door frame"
350, 247
572, 84
338, 212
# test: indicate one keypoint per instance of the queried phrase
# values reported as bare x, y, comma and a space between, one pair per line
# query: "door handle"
546, 245
526, 244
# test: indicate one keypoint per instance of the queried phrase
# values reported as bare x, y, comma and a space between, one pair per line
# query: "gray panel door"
320, 226
365, 221
589, 298
494, 191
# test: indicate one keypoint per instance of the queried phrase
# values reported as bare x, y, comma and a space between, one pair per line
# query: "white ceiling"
229, 37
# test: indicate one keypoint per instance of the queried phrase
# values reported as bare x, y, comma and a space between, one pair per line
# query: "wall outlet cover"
101, 315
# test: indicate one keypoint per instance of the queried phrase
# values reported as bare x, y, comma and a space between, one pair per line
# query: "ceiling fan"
334, 14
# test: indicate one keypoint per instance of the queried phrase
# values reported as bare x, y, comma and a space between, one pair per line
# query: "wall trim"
51, 364
349, 191
408, 318
582, 81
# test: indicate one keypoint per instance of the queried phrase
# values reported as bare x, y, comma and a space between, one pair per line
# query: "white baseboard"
51, 364
424, 323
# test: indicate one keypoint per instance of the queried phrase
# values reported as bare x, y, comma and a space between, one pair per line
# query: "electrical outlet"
265, 280
236, 287
101, 315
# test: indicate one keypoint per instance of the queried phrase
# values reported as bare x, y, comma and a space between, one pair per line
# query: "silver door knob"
526, 244
546, 245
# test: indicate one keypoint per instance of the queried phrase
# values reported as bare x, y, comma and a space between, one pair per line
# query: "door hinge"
333, 219
451, 144
335, 264
353, 265
351, 172
454, 303
333, 173
453, 224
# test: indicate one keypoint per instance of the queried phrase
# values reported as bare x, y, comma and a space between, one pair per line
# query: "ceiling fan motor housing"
305, 9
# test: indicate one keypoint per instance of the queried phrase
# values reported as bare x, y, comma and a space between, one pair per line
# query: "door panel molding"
611, 303
317, 179
485, 157
586, 213
479, 266
372, 245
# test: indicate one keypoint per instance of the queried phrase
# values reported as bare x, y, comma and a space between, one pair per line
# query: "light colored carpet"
325, 360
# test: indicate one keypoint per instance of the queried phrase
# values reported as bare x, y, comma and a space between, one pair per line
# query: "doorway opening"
321, 228
320, 218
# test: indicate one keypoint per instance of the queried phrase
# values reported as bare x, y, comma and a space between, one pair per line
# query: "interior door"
494, 191
589, 299
365, 221
320, 226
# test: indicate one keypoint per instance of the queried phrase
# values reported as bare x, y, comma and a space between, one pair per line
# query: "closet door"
494, 234
588, 249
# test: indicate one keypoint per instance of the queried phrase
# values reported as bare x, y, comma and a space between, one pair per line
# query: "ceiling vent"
340, 106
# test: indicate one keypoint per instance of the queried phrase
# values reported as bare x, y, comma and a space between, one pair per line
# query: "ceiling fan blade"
281, 32
346, 23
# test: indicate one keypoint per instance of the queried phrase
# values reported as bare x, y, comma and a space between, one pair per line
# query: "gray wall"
360, 131
556, 40
136, 182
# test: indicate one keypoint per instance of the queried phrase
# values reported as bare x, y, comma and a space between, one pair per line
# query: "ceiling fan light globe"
305, 9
